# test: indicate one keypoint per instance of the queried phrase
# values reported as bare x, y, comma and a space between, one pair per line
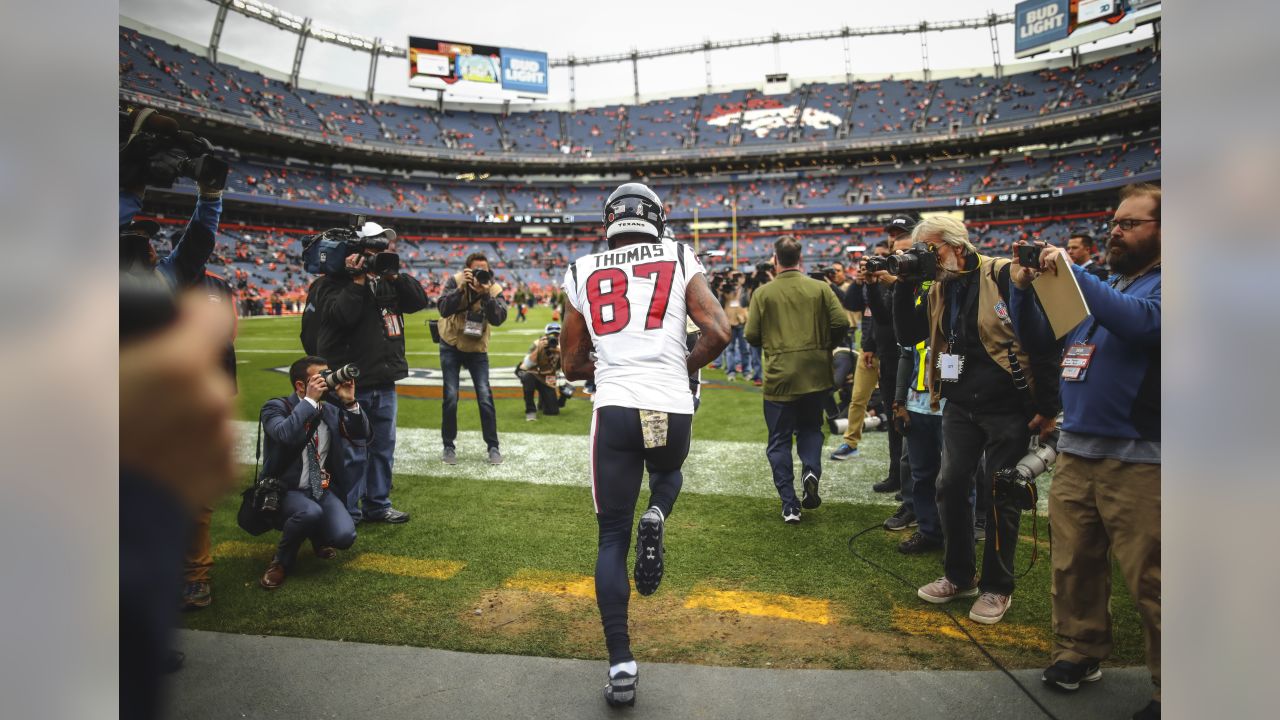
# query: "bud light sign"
1040, 22
524, 71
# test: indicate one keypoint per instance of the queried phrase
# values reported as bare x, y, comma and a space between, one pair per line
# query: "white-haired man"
996, 396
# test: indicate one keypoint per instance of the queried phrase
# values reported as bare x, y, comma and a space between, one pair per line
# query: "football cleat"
621, 689
649, 551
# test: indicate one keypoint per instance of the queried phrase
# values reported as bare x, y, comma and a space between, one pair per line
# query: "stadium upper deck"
737, 123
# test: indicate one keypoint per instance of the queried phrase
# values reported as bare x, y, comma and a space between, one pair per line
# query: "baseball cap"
900, 223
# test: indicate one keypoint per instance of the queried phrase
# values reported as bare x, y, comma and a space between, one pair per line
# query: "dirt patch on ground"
664, 630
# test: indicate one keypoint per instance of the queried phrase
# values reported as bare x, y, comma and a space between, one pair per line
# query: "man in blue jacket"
305, 435
1105, 497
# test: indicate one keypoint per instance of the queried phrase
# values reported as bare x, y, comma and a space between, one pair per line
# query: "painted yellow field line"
405, 566
372, 562
930, 623
787, 607
552, 583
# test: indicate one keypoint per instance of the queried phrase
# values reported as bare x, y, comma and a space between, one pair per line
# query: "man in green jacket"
797, 321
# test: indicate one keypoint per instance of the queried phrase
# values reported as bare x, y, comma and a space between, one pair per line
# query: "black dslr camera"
1019, 481
482, 276
155, 152
918, 263
327, 252
876, 263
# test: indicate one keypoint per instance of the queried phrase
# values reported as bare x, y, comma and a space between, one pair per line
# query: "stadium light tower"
297, 52
992, 21
218, 22
924, 48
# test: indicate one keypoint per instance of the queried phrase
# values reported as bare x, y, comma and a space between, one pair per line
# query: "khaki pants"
199, 557
1099, 510
864, 383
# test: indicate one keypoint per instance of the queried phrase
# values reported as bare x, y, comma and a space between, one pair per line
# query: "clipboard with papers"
1060, 296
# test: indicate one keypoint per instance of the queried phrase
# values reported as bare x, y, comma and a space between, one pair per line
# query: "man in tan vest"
997, 395
472, 303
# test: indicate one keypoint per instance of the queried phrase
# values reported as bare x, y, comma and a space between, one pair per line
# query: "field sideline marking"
931, 623
786, 607
369, 561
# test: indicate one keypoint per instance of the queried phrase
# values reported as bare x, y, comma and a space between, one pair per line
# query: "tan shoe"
990, 608
273, 577
943, 590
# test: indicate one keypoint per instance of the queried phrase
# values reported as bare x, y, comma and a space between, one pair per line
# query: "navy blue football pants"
618, 461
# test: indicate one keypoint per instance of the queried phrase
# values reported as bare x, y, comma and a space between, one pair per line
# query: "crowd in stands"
830, 189
810, 112
264, 265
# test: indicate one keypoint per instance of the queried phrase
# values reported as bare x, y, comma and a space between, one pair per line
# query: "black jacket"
882, 340
364, 324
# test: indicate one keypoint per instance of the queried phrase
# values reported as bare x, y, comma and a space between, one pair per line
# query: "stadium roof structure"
305, 28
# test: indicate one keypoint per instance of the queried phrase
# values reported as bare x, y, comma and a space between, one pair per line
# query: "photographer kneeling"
537, 373
306, 433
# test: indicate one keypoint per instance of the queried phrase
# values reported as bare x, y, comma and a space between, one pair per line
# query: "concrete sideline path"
247, 676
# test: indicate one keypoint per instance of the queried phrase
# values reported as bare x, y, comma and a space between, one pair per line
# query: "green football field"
499, 559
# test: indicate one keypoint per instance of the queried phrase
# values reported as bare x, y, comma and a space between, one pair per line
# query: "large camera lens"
376, 244
334, 378
902, 264
553, 342
482, 276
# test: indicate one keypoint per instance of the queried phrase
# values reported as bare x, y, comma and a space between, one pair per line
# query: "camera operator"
155, 153
305, 434
1081, 248
798, 322
1105, 499
471, 304
360, 313
882, 344
183, 267
732, 297
997, 395
763, 274
537, 373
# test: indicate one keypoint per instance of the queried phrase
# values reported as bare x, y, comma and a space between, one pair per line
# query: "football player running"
624, 328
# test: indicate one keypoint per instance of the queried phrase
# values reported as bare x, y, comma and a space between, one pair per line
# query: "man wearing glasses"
1105, 498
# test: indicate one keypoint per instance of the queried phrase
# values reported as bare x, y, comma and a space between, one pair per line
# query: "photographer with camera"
305, 436
763, 274
537, 373
732, 295
155, 153
356, 317
1105, 499
998, 394
472, 303
798, 322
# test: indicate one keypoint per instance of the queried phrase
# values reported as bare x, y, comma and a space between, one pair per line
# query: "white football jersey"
633, 301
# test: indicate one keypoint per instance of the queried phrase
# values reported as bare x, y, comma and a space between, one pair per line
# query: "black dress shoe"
887, 485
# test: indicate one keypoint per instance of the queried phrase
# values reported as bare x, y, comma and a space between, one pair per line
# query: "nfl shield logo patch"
1002, 311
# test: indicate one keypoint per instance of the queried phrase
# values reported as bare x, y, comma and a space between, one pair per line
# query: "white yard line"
715, 467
